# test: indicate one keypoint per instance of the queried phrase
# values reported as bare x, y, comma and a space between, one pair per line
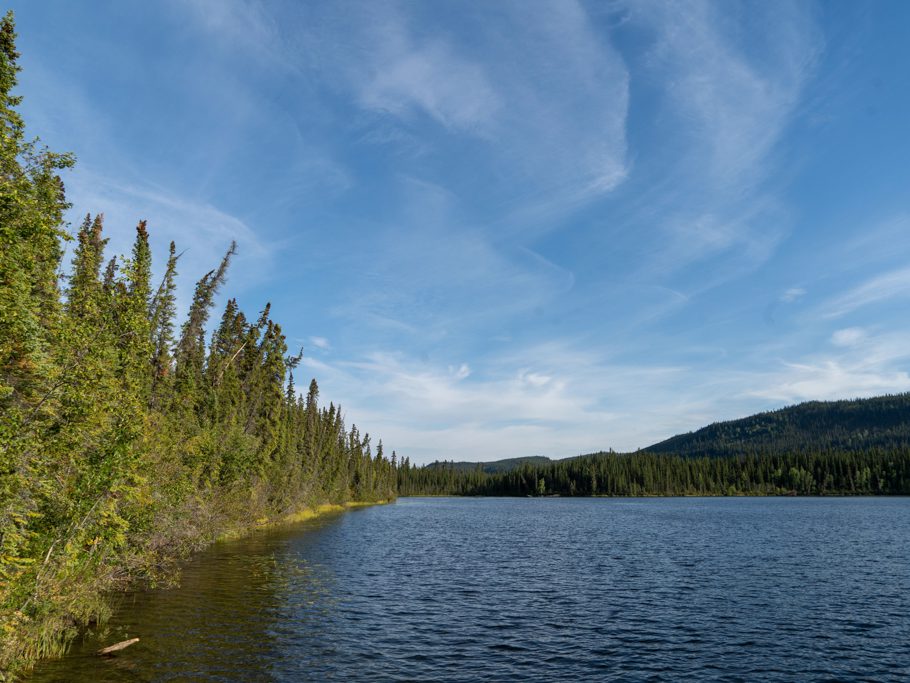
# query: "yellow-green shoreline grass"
304, 515
54, 635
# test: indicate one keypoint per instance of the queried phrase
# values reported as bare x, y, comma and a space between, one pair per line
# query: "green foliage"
855, 447
121, 448
855, 425
163, 309
494, 466
804, 472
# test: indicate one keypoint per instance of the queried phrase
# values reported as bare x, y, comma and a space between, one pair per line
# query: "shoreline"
671, 495
68, 633
305, 514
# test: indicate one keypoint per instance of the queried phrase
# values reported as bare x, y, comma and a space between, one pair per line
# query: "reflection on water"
535, 589
224, 621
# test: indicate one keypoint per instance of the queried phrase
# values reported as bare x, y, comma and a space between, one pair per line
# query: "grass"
84, 599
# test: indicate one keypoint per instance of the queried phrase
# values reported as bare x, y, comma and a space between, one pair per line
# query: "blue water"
741, 589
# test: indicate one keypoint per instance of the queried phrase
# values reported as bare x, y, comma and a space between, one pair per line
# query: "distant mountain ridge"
847, 425
855, 447
493, 467
850, 425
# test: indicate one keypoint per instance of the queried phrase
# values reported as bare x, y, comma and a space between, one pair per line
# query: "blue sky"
513, 228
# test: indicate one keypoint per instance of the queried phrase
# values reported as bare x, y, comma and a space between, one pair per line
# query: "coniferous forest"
802, 472
132, 434
855, 447
128, 438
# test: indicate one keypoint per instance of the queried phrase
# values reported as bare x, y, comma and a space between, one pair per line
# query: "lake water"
660, 589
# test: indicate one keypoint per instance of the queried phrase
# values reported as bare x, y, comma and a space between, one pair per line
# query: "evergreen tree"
122, 449
190, 352
32, 202
163, 309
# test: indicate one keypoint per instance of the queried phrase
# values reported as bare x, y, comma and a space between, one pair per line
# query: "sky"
503, 229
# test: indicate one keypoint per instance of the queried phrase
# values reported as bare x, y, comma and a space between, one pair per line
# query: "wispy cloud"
738, 93
431, 285
872, 242
864, 365
849, 336
792, 294
727, 104
202, 232
452, 90
831, 380
554, 400
507, 222
239, 25
548, 104
879, 288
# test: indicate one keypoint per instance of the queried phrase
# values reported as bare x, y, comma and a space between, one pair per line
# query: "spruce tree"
32, 203
121, 448
161, 325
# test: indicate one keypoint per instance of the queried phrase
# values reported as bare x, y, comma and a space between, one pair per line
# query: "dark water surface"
742, 589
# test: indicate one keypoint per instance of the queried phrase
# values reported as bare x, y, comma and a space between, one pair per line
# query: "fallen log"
116, 647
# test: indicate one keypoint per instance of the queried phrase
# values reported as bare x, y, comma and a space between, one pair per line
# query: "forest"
131, 436
853, 425
853, 447
128, 439
804, 472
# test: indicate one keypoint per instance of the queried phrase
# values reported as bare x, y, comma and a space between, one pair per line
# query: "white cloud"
547, 105
865, 365
563, 403
557, 399
879, 288
320, 343
793, 294
202, 232
461, 372
239, 25
849, 336
831, 380
726, 105
534, 379
740, 100
454, 91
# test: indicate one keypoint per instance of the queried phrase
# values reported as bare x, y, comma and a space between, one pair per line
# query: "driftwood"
116, 647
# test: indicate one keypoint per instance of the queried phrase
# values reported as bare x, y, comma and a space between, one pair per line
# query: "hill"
493, 467
857, 447
846, 426
853, 425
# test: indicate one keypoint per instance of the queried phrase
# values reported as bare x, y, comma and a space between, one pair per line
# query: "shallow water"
460, 589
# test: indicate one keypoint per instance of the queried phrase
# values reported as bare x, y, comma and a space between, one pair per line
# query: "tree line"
851, 425
130, 437
127, 439
875, 471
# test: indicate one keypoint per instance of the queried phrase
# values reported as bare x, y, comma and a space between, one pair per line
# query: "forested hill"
857, 447
845, 426
492, 467
854, 425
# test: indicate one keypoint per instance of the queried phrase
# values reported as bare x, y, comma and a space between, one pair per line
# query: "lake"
530, 589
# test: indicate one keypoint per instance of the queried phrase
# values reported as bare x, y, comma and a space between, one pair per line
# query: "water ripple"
535, 590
